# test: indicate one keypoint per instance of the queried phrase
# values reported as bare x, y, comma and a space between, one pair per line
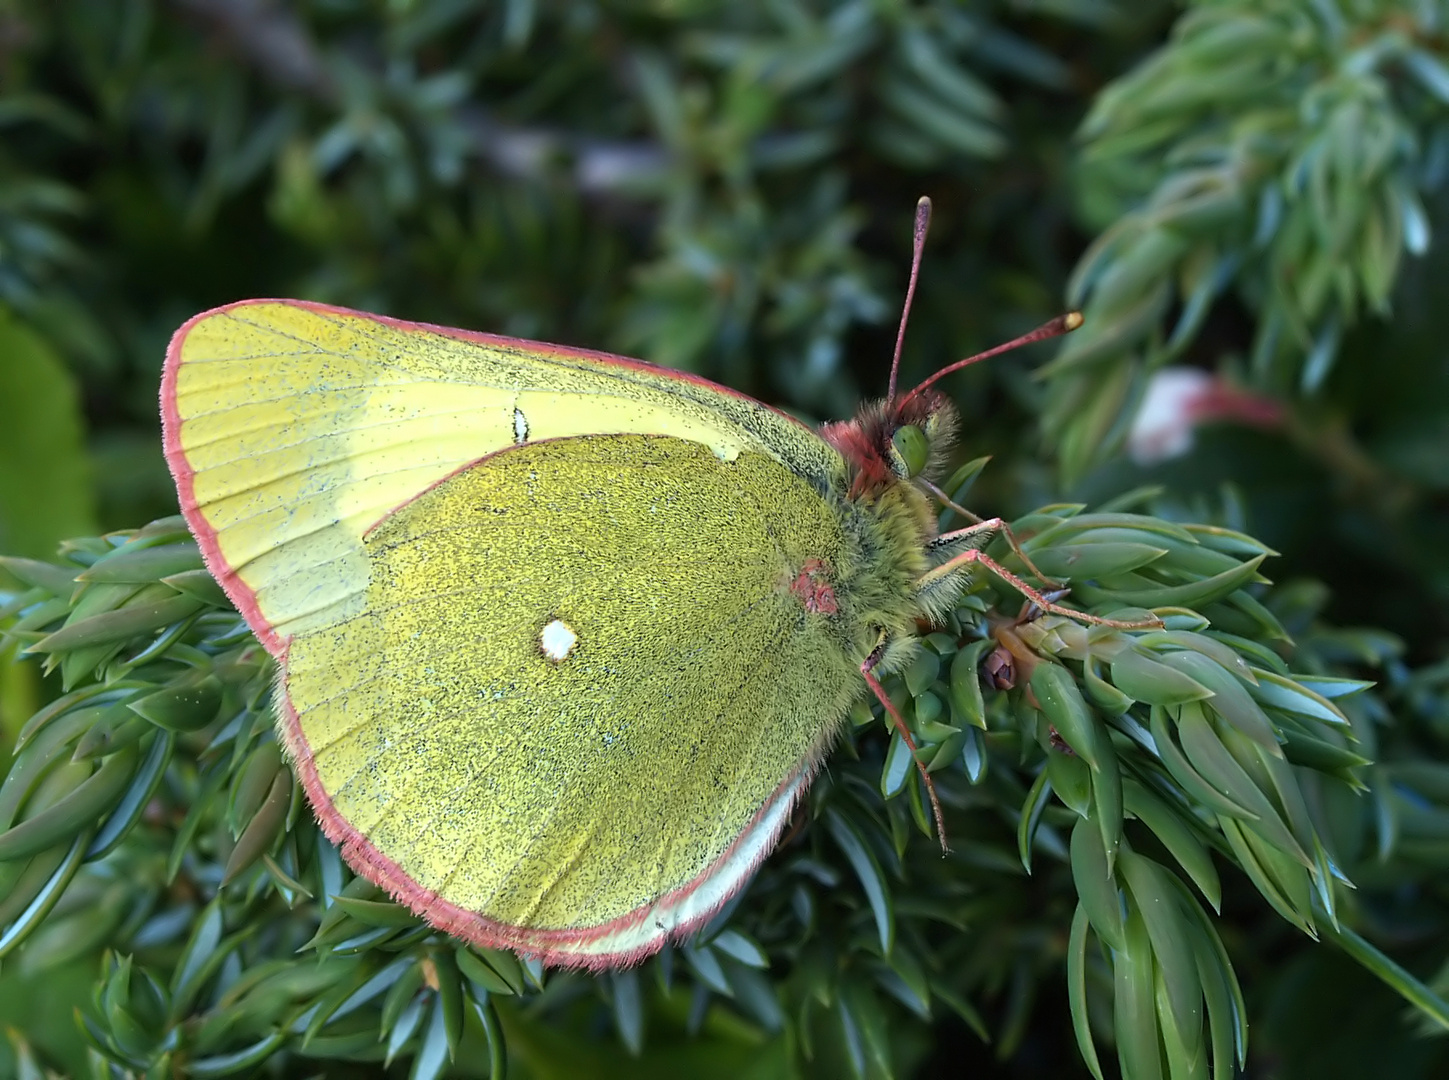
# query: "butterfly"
562, 637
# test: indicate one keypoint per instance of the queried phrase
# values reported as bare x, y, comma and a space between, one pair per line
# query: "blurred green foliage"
1246, 186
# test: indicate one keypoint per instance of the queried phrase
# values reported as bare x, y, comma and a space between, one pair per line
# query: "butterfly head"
907, 437
891, 443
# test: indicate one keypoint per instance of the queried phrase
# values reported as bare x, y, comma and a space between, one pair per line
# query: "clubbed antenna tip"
1062, 324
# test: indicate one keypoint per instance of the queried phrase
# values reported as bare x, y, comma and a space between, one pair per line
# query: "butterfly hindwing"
556, 787
545, 675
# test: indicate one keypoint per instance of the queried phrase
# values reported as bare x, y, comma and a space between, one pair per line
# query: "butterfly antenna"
1062, 324
923, 222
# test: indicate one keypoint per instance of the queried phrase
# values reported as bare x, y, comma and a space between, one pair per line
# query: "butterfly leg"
966, 558
946, 500
991, 526
867, 669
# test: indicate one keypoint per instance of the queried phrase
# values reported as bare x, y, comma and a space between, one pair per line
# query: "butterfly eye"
909, 451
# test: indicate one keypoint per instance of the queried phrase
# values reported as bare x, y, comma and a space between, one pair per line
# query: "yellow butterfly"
562, 636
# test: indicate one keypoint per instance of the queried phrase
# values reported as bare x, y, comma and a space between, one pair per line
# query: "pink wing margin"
561, 948
556, 948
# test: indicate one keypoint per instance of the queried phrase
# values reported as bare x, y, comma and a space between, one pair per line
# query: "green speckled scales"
586, 788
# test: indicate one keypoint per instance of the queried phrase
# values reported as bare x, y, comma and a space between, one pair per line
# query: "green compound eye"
909, 451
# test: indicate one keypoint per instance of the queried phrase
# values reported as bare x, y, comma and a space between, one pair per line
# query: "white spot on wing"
557, 640
520, 426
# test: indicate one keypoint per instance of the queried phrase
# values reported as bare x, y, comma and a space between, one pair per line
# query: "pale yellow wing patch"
293, 428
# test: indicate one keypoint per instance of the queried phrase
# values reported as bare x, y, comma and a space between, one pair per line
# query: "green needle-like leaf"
1096, 890
1154, 899
1154, 682
868, 872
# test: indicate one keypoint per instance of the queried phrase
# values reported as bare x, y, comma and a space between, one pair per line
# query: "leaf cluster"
1114, 769
1279, 154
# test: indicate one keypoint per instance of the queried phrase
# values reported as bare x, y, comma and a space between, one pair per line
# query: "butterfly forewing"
292, 428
